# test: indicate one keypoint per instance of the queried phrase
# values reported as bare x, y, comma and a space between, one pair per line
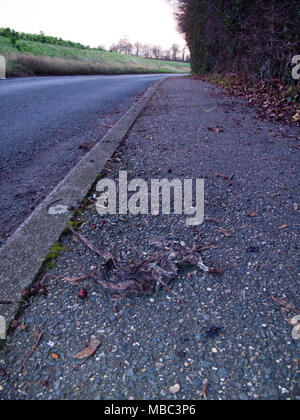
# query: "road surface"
46, 125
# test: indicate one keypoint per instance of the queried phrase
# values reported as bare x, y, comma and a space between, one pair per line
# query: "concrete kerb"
23, 254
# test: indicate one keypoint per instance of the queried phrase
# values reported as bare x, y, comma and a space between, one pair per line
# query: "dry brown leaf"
283, 227
296, 332
252, 214
191, 274
55, 356
293, 322
215, 271
216, 129
88, 351
204, 389
296, 117
75, 281
174, 389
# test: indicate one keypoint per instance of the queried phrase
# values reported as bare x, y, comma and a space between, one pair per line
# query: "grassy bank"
28, 58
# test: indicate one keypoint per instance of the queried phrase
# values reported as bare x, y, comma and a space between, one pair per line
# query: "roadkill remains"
145, 276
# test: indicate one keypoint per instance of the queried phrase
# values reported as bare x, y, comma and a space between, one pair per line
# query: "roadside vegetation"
40, 55
247, 47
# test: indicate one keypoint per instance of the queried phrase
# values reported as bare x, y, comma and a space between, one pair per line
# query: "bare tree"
167, 54
114, 48
138, 47
123, 47
175, 50
128, 48
156, 52
147, 51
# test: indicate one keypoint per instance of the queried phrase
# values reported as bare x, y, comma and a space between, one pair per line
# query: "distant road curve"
46, 125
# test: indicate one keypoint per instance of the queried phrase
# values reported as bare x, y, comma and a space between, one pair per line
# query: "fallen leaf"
296, 206
296, 332
204, 389
191, 274
88, 351
252, 214
216, 129
174, 389
215, 270
296, 117
75, 281
283, 227
55, 356
294, 321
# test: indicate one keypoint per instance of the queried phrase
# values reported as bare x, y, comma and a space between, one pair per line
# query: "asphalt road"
46, 125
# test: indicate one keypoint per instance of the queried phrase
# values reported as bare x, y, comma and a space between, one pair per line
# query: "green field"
28, 58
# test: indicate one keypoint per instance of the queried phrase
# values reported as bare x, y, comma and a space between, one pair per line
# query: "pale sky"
94, 22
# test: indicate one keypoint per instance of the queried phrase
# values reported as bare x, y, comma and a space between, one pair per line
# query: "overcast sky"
94, 22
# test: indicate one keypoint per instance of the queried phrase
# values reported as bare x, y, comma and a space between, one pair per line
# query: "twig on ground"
279, 186
89, 244
289, 306
32, 351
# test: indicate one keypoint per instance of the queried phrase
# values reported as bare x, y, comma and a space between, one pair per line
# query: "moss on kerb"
101, 176
54, 253
74, 224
